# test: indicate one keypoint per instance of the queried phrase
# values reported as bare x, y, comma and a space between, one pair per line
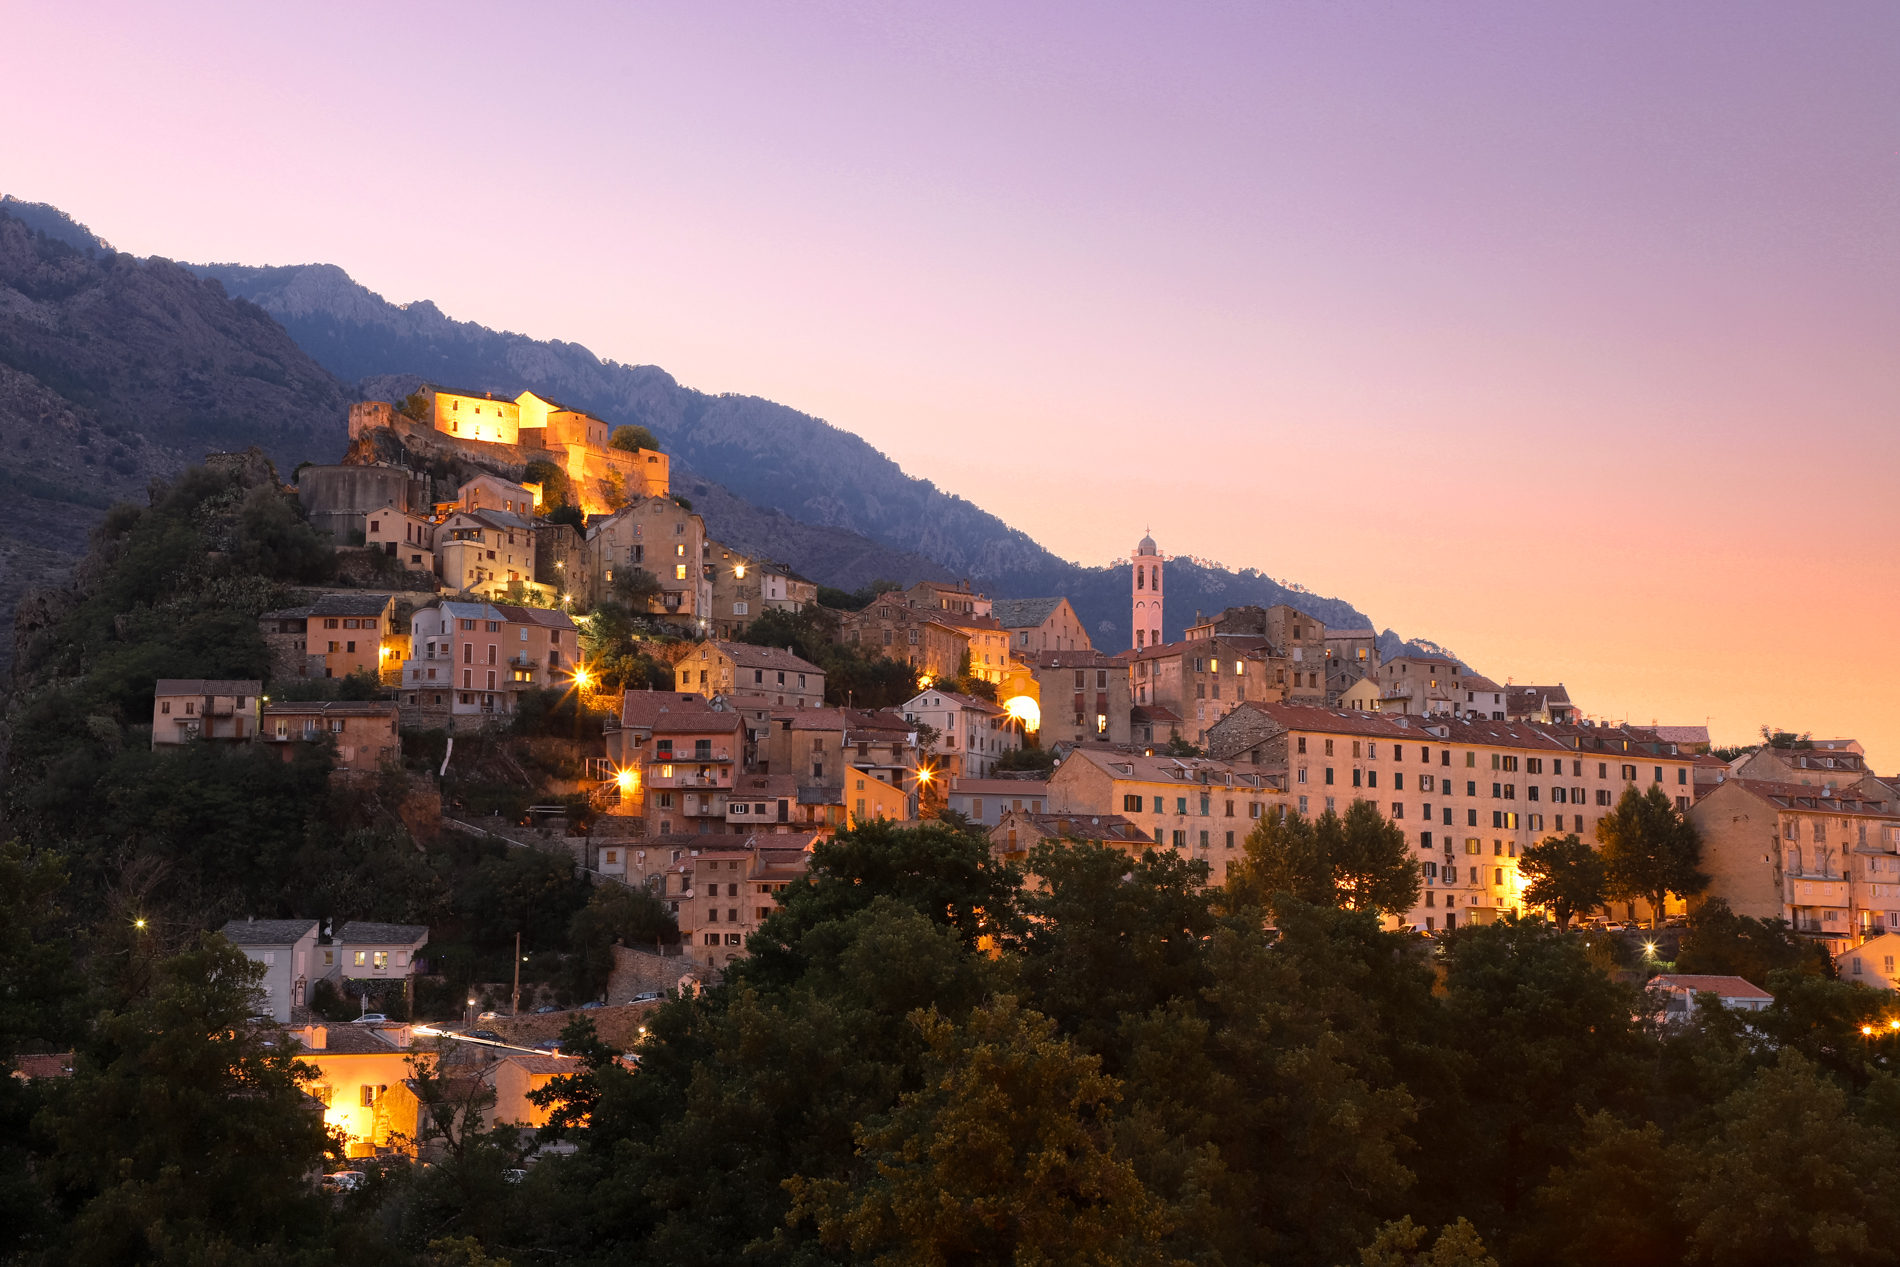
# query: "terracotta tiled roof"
676, 712
1000, 787
350, 605
1154, 714
1727, 987
333, 708
1803, 796
1109, 828
962, 701
57, 1064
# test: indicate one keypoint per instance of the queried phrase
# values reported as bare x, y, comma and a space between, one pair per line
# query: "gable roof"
206, 686
1727, 987
1023, 613
748, 656
360, 931
677, 712
546, 617
267, 932
961, 701
1108, 828
334, 708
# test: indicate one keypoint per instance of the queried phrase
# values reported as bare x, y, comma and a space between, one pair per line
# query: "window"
362, 957
1329, 774
1329, 752
1398, 809
381, 958
1471, 759
1301, 741
1130, 805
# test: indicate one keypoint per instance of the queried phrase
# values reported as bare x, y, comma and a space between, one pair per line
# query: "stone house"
658, 535
1352, 655
338, 634
1197, 807
925, 640
1084, 696
488, 492
730, 891
941, 596
1203, 679
484, 553
184, 709
1545, 704
1036, 625
743, 588
365, 731
725, 668
1825, 859
1279, 631
986, 801
1020, 831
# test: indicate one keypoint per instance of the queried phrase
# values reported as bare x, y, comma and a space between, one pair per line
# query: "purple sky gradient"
1564, 335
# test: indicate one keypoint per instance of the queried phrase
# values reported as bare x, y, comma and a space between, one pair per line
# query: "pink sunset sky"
1567, 336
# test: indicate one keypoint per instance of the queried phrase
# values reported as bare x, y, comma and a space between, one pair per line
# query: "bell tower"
1145, 595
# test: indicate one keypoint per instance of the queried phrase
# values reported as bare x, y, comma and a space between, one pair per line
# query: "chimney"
316, 1037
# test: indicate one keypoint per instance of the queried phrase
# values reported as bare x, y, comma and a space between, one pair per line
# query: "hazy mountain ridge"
765, 453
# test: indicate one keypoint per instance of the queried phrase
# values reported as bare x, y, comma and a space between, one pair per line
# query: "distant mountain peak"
54, 223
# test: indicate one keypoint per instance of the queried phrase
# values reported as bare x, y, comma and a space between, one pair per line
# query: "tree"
1284, 855
1372, 868
632, 439
570, 515
1359, 862
1650, 850
1566, 876
1792, 1176
1614, 1202
1003, 1155
636, 587
1721, 943
1397, 1245
187, 1131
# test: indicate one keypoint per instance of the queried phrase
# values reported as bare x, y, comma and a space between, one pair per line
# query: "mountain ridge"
756, 448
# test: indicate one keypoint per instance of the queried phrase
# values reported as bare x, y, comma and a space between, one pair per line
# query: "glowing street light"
582, 677
627, 779
139, 923
1023, 708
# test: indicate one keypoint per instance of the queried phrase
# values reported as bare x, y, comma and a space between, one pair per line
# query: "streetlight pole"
514, 1004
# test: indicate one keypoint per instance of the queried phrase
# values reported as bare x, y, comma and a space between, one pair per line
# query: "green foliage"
1027, 759
631, 917
1179, 747
636, 587
632, 439
556, 714
557, 491
1003, 1155
1566, 876
854, 600
414, 406
1398, 1244
1360, 862
571, 515
682, 502
851, 676
1650, 850
186, 1134
1721, 943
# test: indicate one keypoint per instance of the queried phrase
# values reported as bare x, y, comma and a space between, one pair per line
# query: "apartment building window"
1471, 759
1629, 774
1398, 809
1303, 805
1300, 745
1398, 781
1329, 752
1357, 776
1158, 806
1130, 805
1180, 840
1180, 805
1471, 817
1329, 774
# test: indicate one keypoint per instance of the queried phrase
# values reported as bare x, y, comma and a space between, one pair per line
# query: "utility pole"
515, 1003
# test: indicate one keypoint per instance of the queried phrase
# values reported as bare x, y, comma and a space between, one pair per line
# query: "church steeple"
1145, 595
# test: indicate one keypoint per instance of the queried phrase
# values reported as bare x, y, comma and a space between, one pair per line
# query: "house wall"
1741, 851
283, 966
476, 418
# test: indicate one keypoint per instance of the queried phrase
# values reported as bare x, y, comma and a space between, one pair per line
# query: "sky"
1562, 335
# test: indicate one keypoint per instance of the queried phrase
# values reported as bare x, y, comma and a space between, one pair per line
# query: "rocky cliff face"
114, 371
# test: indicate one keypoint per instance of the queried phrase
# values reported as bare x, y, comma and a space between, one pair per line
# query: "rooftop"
1727, 987
267, 932
334, 708
360, 932
1104, 827
747, 656
350, 605
1023, 613
207, 686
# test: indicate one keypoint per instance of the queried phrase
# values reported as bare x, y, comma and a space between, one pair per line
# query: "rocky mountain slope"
114, 370
766, 454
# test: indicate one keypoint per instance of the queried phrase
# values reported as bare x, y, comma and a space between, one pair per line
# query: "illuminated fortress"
530, 426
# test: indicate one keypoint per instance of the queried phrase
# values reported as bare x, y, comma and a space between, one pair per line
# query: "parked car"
370, 1018
344, 1181
514, 1176
1614, 926
488, 1034
545, 1008
489, 1016
649, 996
591, 1004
